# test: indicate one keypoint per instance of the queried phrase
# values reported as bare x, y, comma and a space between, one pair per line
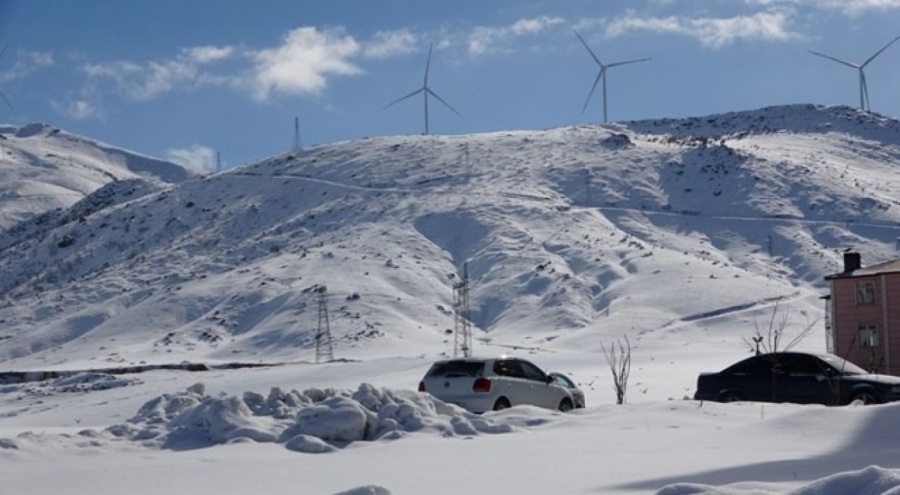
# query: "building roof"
892, 266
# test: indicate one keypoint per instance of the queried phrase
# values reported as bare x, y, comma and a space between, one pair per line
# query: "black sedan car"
797, 377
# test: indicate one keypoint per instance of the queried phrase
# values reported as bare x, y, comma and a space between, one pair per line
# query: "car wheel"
866, 397
501, 404
730, 397
566, 405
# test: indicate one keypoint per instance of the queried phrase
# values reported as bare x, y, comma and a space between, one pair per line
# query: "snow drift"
872, 480
312, 421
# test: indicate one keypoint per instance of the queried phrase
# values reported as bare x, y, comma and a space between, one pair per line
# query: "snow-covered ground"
233, 434
680, 235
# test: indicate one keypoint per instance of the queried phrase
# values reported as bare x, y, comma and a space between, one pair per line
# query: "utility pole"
298, 143
462, 331
218, 161
324, 346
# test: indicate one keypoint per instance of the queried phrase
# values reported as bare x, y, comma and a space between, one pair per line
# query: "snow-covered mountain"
681, 235
664, 231
43, 169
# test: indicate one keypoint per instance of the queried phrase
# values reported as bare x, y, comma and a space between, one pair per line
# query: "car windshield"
843, 366
456, 368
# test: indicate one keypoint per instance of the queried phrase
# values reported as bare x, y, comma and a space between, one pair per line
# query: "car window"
843, 366
801, 364
563, 381
784, 363
532, 372
450, 369
508, 367
755, 366
781, 364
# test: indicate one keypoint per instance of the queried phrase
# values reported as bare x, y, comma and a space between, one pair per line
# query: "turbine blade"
629, 62
593, 88
5, 100
432, 93
428, 64
879, 51
398, 100
829, 57
588, 49
3, 96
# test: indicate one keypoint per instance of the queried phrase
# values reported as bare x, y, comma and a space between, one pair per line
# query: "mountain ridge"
44, 168
570, 236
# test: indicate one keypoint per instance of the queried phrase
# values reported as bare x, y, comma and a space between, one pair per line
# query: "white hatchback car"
479, 384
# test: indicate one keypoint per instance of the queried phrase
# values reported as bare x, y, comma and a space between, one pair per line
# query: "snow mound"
79, 382
313, 421
872, 480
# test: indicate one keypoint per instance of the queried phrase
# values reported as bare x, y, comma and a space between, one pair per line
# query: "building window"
865, 293
868, 335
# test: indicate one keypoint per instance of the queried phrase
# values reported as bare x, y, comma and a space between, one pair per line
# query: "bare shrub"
771, 335
618, 357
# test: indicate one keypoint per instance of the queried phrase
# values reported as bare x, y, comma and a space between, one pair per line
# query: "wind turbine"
863, 89
602, 74
426, 91
3, 96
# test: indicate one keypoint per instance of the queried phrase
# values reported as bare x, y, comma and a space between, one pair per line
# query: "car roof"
824, 355
474, 359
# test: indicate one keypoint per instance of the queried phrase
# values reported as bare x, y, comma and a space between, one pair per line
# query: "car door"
513, 383
802, 380
543, 392
751, 379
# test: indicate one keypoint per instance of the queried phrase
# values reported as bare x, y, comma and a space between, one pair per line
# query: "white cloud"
860, 6
773, 25
208, 54
149, 80
27, 63
848, 7
483, 40
79, 109
195, 157
390, 43
303, 62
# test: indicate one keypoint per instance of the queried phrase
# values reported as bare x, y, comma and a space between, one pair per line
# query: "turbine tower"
863, 89
426, 91
602, 74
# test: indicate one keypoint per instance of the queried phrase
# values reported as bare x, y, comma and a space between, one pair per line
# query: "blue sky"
182, 79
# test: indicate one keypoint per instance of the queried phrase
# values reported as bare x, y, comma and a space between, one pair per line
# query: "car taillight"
421, 386
481, 385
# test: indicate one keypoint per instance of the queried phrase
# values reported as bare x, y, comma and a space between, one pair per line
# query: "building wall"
884, 356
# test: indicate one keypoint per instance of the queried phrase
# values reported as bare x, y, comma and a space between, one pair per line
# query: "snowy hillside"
43, 168
681, 235
677, 230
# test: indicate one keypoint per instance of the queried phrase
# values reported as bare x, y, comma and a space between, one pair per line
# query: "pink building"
863, 314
